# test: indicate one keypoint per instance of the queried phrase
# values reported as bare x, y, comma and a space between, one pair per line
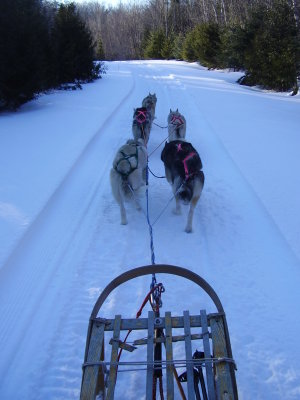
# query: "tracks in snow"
39, 273
76, 246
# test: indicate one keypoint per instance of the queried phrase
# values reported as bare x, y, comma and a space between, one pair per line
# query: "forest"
47, 44
260, 37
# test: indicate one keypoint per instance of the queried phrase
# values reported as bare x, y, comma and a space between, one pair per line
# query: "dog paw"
176, 211
188, 229
124, 222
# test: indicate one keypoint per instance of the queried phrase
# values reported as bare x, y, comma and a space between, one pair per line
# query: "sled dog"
150, 103
176, 126
141, 124
128, 173
183, 171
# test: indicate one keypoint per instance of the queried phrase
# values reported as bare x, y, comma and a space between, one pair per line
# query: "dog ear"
177, 110
170, 110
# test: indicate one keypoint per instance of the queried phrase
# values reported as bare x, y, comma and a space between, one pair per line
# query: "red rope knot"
176, 120
141, 116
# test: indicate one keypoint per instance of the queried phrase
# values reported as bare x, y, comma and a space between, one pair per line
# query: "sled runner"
207, 373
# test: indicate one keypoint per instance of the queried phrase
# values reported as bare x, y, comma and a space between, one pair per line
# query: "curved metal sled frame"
219, 367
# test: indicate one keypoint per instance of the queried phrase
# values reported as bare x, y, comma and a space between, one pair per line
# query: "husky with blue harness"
128, 173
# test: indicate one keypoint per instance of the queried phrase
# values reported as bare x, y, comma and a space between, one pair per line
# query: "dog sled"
207, 373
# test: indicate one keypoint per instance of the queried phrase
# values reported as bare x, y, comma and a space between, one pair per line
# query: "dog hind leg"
194, 201
197, 193
176, 187
177, 209
116, 186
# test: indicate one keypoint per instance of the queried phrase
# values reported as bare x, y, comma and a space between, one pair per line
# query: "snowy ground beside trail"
62, 242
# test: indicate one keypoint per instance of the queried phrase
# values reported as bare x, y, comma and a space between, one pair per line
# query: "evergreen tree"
72, 46
155, 45
271, 54
189, 50
207, 44
167, 48
178, 46
203, 44
24, 40
233, 47
100, 55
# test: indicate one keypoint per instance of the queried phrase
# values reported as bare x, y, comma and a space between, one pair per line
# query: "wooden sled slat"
188, 351
93, 377
224, 385
169, 356
150, 347
114, 359
207, 353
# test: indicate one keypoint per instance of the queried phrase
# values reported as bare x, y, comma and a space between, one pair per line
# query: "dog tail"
185, 193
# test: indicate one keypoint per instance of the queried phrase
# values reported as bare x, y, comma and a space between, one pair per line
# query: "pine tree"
167, 48
23, 42
100, 55
178, 46
271, 54
207, 45
155, 45
233, 47
189, 51
72, 47
203, 44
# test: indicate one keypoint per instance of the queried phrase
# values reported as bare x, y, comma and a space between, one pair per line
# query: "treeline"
258, 37
43, 45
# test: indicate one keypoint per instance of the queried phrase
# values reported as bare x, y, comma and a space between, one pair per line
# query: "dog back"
126, 159
181, 158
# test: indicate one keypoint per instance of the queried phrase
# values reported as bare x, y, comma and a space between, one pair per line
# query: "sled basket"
208, 374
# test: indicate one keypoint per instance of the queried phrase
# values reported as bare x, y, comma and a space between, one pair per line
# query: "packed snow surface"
62, 242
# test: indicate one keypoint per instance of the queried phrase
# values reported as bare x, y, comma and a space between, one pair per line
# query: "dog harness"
188, 175
141, 116
176, 120
127, 157
186, 170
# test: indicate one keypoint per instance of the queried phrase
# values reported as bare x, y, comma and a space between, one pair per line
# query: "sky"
62, 241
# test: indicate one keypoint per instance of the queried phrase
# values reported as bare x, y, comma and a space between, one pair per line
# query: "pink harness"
184, 161
176, 118
141, 116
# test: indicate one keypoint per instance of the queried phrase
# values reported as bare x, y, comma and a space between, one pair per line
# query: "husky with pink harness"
141, 124
183, 168
176, 125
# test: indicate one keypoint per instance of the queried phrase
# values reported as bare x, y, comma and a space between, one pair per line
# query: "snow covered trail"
241, 242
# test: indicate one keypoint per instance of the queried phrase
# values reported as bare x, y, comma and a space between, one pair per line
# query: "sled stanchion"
150, 347
223, 369
169, 356
207, 353
188, 351
114, 358
93, 376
